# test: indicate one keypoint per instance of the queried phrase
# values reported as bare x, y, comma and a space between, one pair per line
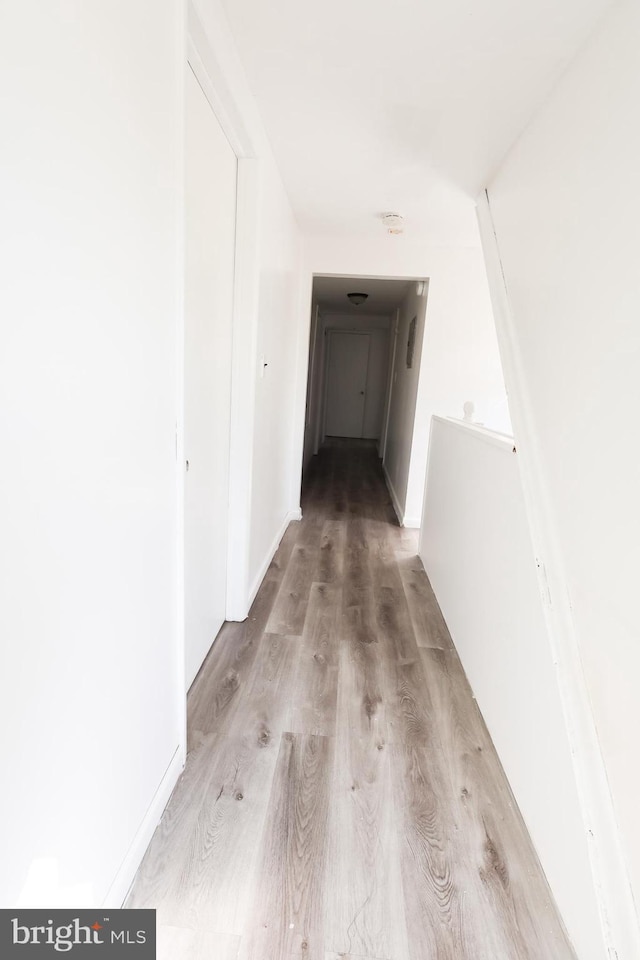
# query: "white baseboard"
394, 497
295, 514
124, 878
412, 523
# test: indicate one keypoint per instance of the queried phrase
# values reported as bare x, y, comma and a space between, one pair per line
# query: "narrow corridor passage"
342, 797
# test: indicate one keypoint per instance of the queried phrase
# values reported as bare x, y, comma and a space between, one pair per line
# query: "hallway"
342, 797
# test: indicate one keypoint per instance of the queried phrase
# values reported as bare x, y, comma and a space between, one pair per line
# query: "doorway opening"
364, 367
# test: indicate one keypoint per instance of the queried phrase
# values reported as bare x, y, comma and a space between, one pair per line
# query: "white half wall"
476, 548
91, 683
566, 214
460, 359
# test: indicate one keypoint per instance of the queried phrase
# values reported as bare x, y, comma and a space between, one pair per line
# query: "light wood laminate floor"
342, 797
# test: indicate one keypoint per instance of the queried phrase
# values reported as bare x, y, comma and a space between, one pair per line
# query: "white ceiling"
383, 295
381, 105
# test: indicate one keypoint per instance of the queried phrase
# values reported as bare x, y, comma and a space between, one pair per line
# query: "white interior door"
211, 183
346, 384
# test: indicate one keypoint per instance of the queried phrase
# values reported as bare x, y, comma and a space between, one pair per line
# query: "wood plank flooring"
342, 799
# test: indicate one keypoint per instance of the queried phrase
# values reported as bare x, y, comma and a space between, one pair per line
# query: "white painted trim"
312, 364
322, 363
124, 878
393, 346
412, 523
304, 381
326, 357
211, 77
180, 651
394, 496
244, 359
476, 430
206, 62
610, 878
295, 514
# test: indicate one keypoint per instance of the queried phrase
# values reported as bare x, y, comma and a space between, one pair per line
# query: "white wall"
566, 211
90, 711
476, 548
270, 327
399, 445
460, 359
275, 498
92, 684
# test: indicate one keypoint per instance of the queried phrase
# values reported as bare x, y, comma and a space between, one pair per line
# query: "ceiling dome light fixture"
393, 222
357, 298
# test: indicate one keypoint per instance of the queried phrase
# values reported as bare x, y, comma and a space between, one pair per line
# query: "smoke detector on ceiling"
357, 298
393, 222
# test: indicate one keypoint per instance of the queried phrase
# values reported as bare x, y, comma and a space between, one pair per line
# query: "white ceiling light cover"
393, 222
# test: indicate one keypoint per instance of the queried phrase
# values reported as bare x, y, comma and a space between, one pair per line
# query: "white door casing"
210, 225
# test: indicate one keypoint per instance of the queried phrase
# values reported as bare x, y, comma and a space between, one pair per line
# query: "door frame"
393, 346
209, 440
320, 361
325, 388
206, 60
205, 54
